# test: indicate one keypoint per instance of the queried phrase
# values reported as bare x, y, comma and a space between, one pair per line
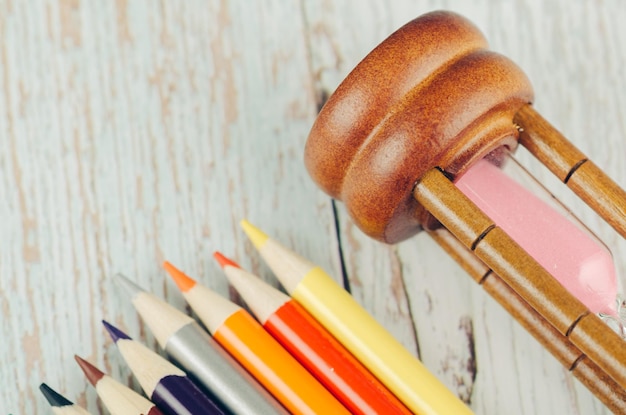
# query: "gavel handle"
583, 368
522, 273
572, 167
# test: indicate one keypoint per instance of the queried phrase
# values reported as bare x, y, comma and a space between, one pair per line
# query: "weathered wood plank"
135, 131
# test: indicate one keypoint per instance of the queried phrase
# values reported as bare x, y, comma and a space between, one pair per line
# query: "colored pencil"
60, 405
316, 349
166, 385
356, 329
243, 337
118, 399
200, 356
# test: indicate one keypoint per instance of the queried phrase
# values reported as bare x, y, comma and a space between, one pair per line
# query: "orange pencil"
314, 347
246, 340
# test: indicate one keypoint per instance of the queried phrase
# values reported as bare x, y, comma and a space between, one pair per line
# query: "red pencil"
315, 348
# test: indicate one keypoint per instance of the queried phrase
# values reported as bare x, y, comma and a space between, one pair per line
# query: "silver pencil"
195, 351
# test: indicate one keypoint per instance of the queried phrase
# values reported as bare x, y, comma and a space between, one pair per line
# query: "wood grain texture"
572, 167
137, 131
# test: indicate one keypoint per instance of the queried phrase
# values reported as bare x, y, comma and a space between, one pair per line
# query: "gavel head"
430, 95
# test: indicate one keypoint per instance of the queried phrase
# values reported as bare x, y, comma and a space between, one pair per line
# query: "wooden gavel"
412, 118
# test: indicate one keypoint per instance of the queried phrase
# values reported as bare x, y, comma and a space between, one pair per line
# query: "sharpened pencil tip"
115, 333
223, 261
182, 280
53, 398
256, 236
130, 287
92, 373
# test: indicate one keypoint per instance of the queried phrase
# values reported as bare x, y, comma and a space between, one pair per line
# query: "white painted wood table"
137, 131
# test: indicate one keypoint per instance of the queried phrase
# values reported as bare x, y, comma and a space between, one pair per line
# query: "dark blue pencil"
167, 386
60, 405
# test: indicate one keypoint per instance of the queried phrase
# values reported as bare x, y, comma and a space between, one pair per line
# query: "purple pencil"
167, 386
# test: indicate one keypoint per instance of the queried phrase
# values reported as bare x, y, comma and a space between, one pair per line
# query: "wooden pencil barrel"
583, 368
522, 273
572, 167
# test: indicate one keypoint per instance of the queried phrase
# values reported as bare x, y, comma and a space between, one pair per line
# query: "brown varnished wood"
600, 192
498, 251
430, 95
432, 99
601, 345
544, 332
547, 144
448, 209
572, 167
523, 274
550, 338
583, 368
603, 387
474, 267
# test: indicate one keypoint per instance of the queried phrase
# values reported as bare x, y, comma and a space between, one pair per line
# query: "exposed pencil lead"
130, 287
92, 373
256, 236
115, 333
182, 280
224, 261
53, 398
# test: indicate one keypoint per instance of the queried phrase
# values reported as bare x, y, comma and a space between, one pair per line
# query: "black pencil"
60, 405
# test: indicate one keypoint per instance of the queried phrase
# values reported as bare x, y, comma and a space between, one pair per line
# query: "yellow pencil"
357, 330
